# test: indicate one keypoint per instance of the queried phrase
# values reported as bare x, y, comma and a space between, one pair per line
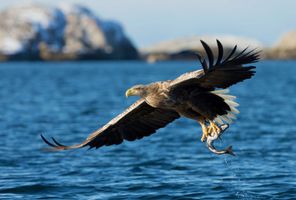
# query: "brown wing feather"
136, 122
223, 73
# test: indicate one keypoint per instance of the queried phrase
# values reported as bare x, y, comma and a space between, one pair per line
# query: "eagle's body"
161, 95
200, 95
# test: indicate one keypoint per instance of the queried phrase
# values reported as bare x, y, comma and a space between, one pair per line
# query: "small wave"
27, 189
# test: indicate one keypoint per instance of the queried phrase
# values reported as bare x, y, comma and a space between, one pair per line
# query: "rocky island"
284, 49
65, 32
187, 48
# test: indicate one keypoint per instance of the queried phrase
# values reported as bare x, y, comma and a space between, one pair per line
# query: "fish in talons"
213, 136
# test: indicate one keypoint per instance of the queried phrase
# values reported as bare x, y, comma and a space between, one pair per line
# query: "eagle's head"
137, 90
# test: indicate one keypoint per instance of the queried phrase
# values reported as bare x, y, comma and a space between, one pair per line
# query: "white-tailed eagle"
200, 95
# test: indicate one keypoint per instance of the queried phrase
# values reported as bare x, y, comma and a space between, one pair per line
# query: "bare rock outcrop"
284, 49
186, 48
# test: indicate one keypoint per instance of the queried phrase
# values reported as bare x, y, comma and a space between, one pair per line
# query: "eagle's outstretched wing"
136, 122
220, 73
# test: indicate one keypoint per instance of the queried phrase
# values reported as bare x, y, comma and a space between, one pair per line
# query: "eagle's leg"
214, 128
204, 128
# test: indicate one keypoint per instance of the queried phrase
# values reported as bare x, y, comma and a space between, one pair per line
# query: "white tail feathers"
231, 103
219, 120
229, 100
225, 119
225, 91
229, 97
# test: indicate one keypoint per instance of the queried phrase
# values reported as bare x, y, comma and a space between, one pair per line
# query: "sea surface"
69, 100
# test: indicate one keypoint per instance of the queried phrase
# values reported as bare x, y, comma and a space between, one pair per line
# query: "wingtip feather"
220, 52
208, 52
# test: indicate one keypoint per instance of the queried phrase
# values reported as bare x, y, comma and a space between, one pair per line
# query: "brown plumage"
193, 95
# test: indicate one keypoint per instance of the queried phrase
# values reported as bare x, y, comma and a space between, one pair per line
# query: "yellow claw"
214, 128
205, 133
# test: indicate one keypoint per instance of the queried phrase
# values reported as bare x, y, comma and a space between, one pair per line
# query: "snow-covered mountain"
67, 31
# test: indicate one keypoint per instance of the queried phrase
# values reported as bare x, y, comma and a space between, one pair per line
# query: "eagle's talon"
205, 134
203, 138
214, 128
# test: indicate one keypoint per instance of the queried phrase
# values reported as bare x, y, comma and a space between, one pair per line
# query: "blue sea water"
69, 100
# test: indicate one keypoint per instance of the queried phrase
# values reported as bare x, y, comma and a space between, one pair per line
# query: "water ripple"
71, 100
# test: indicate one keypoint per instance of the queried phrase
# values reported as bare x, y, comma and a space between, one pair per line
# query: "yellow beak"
128, 93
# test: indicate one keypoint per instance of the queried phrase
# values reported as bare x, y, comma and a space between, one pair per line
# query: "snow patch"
11, 46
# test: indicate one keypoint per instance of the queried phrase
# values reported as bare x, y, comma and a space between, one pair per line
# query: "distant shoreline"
75, 33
